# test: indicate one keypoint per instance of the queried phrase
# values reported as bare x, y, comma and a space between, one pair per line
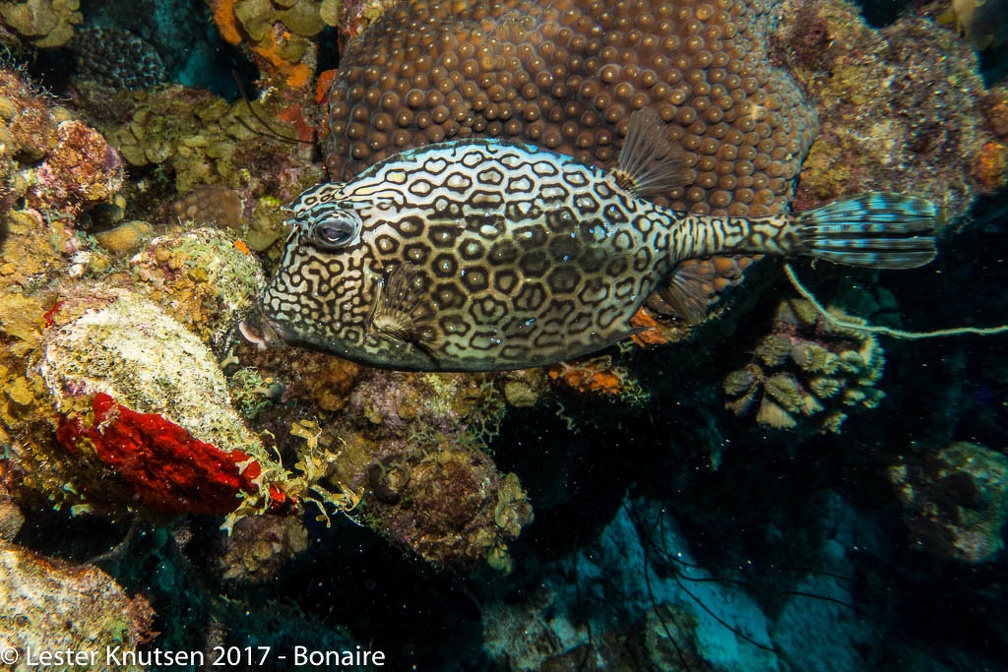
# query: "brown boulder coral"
566, 76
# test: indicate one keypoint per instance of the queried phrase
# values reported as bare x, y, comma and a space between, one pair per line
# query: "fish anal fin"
694, 286
649, 162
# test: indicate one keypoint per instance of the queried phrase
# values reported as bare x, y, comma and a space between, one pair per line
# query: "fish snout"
260, 331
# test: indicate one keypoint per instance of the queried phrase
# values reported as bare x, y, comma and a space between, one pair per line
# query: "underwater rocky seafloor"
751, 489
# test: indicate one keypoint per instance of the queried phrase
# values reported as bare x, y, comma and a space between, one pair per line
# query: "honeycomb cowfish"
480, 255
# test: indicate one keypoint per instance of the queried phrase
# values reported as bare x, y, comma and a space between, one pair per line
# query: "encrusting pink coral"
82, 170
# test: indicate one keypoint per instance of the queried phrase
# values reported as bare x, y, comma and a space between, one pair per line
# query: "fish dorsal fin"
649, 162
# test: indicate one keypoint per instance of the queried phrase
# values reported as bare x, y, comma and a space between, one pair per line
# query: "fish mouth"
260, 331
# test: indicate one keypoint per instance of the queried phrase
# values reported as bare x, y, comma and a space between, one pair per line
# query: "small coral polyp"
806, 367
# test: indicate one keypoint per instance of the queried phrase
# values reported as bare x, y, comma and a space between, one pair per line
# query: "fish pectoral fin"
649, 161
403, 309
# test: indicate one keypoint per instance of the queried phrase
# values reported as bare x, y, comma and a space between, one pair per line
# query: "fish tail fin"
874, 230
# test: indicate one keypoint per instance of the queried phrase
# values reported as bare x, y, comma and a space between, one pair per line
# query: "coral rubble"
900, 107
807, 367
955, 500
51, 605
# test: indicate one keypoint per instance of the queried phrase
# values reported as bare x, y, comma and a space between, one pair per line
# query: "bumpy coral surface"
406, 451
955, 501
255, 157
59, 165
566, 76
807, 367
82, 170
51, 605
117, 58
202, 279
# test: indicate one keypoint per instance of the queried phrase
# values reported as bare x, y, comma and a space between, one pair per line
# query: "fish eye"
335, 231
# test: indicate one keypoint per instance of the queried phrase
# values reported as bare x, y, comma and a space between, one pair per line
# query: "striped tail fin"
875, 230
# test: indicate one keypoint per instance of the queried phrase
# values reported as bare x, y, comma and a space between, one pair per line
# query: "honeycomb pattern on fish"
514, 279
481, 255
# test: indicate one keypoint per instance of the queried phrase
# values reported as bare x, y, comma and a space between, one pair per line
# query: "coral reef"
165, 468
59, 165
277, 34
143, 416
204, 140
357, 15
53, 606
406, 450
900, 107
566, 76
124, 395
202, 279
629, 618
80, 171
41, 23
231, 165
955, 500
117, 58
417, 452
806, 367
